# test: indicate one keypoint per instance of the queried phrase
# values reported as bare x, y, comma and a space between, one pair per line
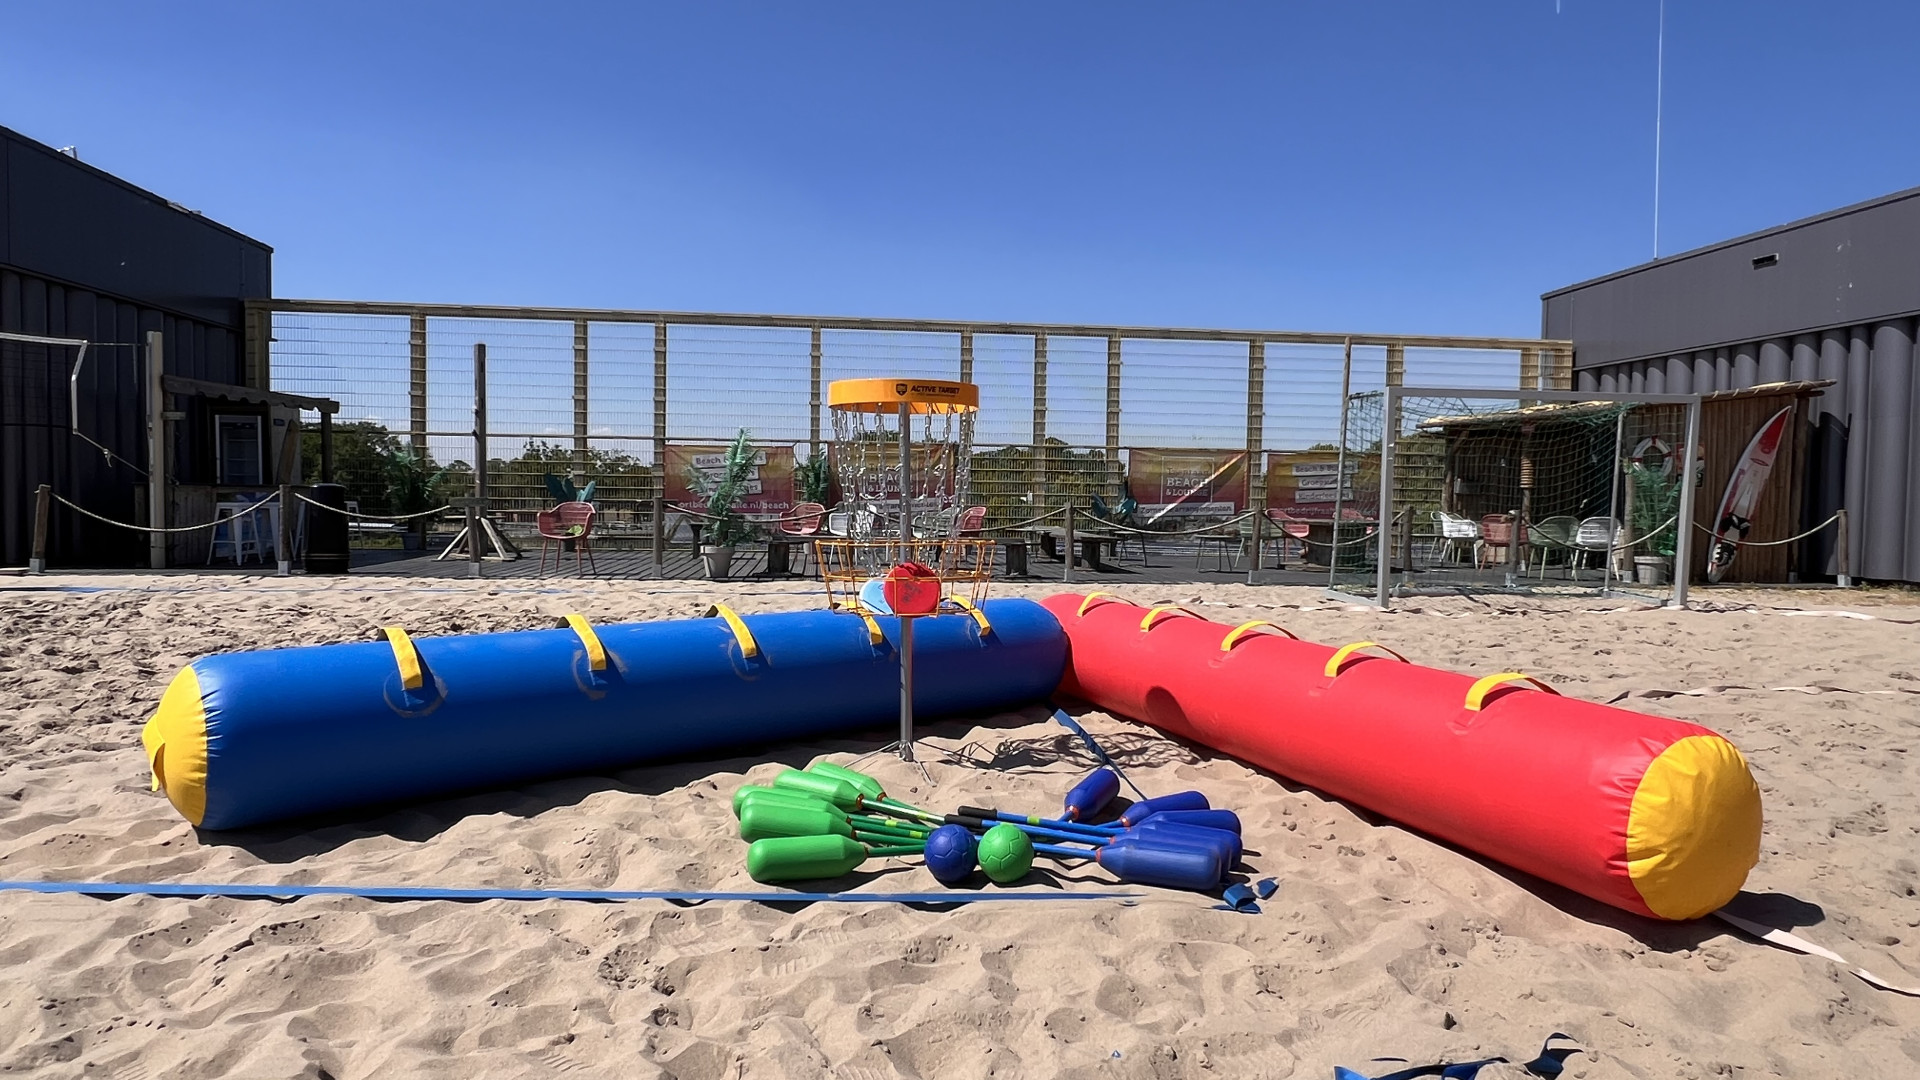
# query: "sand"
1379, 941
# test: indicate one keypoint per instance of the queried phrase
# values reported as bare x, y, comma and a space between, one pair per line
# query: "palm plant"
413, 487
723, 490
1656, 500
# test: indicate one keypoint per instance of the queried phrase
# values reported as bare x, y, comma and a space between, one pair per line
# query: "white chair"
1453, 530
1595, 535
240, 536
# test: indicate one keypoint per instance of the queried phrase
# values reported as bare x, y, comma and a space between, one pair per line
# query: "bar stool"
240, 535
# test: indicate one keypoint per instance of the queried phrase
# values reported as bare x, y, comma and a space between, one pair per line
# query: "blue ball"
950, 851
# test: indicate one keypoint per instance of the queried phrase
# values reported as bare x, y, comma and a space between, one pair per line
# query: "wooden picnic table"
1089, 542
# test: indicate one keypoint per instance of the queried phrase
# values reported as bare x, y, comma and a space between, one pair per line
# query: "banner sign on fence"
1303, 481
1187, 483
769, 492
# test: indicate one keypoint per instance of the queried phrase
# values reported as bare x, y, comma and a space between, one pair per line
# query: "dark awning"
180, 384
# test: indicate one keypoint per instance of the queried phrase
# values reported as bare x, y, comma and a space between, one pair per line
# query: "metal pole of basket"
906, 621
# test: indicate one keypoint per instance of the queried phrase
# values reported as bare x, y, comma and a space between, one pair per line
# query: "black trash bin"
327, 551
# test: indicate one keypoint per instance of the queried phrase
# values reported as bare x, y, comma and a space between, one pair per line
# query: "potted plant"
722, 490
413, 487
814, 478
1656, 501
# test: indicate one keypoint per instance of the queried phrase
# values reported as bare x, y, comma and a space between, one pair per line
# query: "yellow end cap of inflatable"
1694, 829
176, 742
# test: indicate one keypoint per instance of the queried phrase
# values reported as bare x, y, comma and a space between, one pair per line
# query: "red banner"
1187, 483
769, 493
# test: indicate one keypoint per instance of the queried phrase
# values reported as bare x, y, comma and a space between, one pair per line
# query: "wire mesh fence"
1147, 427
1487, 490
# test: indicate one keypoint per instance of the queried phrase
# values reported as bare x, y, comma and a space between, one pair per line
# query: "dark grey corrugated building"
84, 254
1834, 296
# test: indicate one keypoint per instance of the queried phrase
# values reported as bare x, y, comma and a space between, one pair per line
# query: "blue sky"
1369, 166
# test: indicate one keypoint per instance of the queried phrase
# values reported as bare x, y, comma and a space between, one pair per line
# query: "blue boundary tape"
379, 892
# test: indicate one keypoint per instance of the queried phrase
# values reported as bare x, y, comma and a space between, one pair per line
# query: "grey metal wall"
1863, 452
1839, 303
1854, 266
86, 255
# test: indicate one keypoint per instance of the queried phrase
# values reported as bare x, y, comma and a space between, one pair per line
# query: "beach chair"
1496, 536
804, 523
567, 521
1288, 530
1454, 530
1594, 536
1549, 535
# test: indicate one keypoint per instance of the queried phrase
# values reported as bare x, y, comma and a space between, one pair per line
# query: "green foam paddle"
762, 819
834, 790
864, 784
807, 858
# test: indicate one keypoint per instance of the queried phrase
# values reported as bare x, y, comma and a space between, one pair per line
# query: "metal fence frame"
1543, 363
1390, 439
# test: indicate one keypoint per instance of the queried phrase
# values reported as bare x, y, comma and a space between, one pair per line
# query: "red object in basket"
912, 589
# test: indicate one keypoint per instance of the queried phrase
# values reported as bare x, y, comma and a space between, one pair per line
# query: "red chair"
568, 521
804, 521
1496, 534
1291, 529
971, 522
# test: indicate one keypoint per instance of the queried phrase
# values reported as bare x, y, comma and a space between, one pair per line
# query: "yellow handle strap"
596, 652
1238, 632
1477, 693
978, 615
1340, 656
874, 636
1087, 602
406, 656
748, 647
1154, 613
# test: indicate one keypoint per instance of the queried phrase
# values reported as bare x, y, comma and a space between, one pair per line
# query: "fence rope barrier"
1771, 543
69, 504
303, 497
1164, 532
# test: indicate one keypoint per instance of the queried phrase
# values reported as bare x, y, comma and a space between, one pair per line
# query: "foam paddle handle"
808, 858
1168, 867
1146, 808
864, 784
832, 789
975, 824
991, 814
1090, 796
761, 820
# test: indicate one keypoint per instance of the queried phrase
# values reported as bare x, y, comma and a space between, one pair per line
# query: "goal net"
1545, 492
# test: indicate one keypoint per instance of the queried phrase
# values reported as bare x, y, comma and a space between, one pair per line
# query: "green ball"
1006, 854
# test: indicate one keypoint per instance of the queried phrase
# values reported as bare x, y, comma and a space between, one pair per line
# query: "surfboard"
1735, 516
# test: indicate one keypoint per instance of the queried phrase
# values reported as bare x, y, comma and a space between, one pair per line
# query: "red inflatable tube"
1656, 816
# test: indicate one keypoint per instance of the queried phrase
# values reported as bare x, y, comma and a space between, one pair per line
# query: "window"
237, 445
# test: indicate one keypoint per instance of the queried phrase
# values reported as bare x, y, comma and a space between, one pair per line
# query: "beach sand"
1379, 942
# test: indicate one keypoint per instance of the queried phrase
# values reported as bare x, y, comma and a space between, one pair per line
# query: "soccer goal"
1538, 491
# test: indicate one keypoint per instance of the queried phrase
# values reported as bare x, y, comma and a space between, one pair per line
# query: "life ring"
1650, 449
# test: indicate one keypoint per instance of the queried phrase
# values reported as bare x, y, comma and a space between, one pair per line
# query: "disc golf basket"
902, 452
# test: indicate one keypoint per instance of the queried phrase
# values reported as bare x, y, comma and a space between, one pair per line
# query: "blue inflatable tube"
247, 738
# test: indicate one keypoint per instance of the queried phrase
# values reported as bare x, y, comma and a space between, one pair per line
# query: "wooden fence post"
1844, 577
283, 544
1067, 553
659, 536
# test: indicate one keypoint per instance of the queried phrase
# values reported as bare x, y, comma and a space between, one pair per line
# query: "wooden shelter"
1498, 463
